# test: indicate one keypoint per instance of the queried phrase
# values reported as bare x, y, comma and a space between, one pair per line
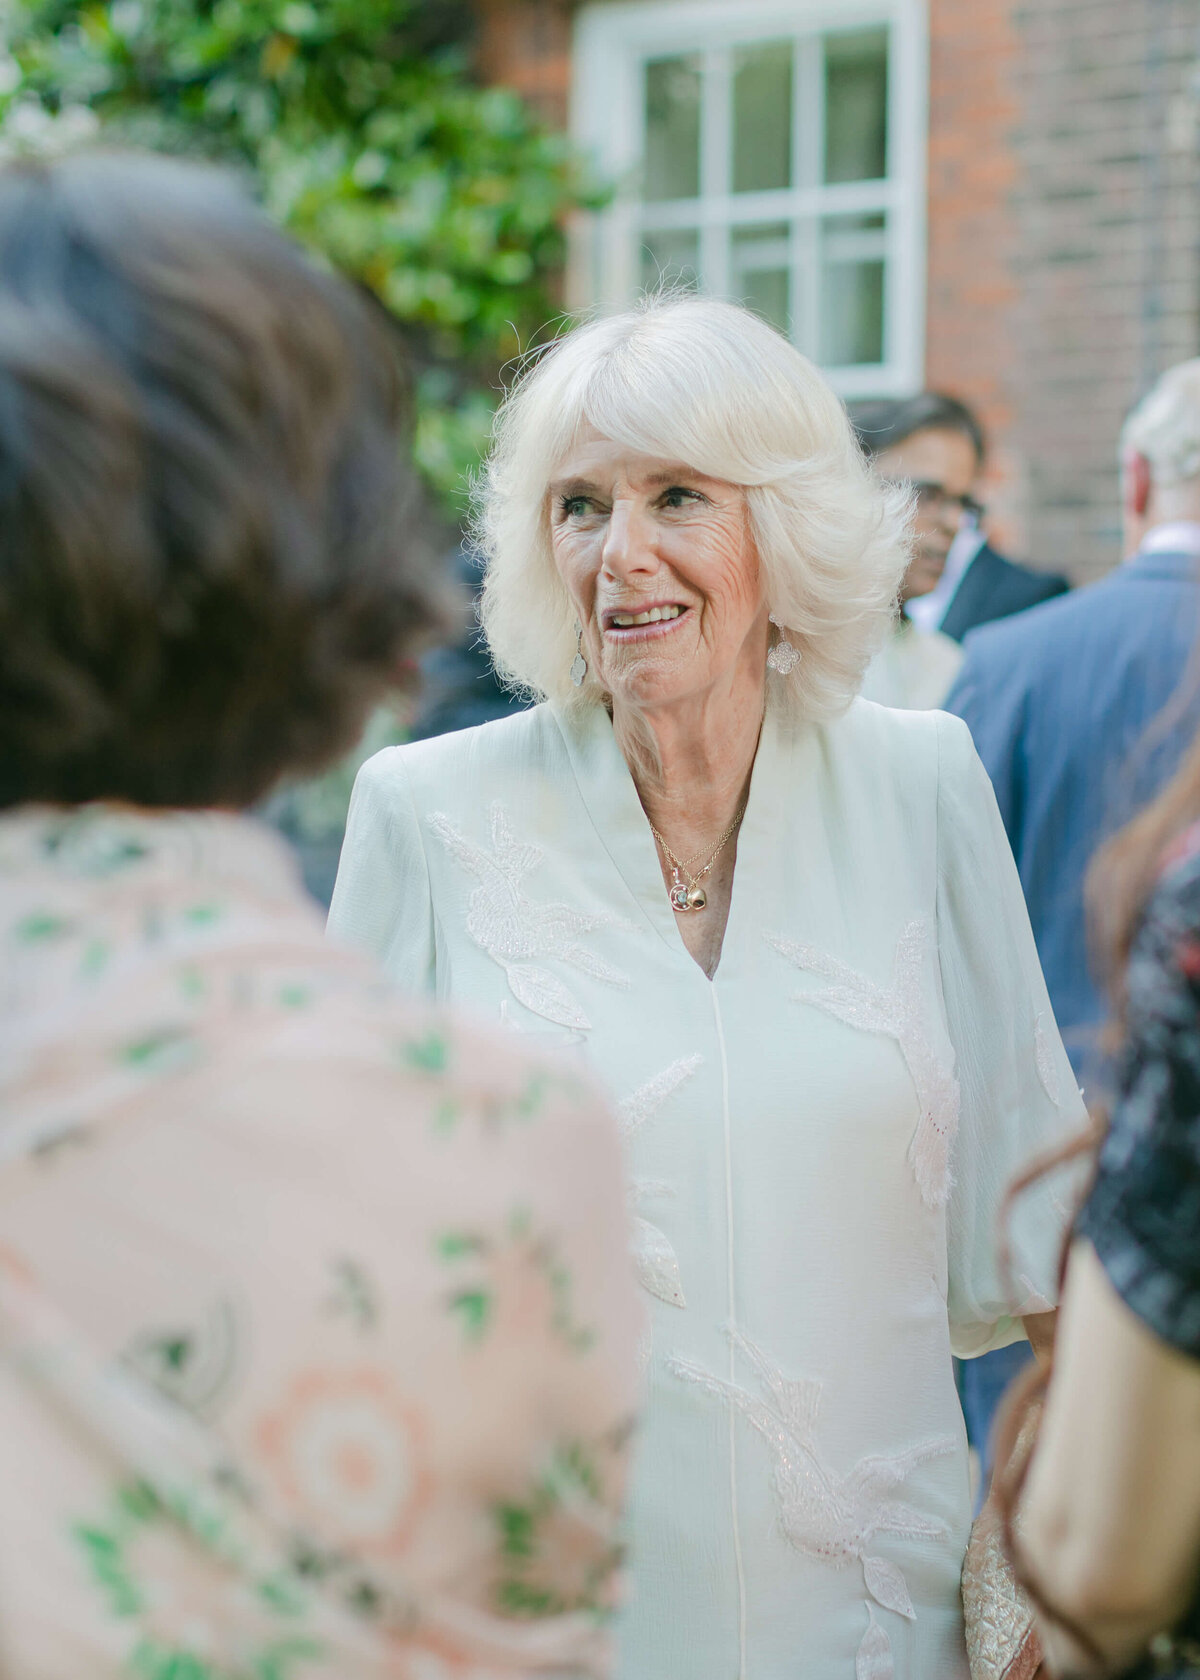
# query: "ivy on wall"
362, 133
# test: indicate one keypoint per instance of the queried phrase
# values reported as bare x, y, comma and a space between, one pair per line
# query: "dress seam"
733, 1325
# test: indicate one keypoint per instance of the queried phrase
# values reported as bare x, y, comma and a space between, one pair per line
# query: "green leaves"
367, 139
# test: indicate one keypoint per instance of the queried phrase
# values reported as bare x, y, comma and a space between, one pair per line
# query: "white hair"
1165, 426
711, 386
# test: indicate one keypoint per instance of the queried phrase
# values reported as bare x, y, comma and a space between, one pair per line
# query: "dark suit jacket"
1062, 704
993, 587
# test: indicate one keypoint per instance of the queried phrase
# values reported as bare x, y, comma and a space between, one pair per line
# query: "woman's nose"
628, 544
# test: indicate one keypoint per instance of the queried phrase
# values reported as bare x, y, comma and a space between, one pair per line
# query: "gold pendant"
680, 897
697, 898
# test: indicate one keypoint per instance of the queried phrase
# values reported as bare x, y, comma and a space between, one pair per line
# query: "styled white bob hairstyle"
713, 387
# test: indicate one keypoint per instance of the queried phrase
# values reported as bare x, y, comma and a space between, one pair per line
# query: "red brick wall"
971, 288
1064, 230
526, 45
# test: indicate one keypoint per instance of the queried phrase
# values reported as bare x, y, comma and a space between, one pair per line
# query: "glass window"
762, 117
856, 88
752, 152
852, 290
762, 270
670, 257
672, 165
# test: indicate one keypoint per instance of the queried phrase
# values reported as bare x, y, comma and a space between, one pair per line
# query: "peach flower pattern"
351, 1454
307, 1291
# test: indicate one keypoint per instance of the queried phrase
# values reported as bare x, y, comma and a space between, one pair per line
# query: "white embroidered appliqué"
833, 1518
515, 932
897, 1011
873, 1660
654, 1258
1043, 1058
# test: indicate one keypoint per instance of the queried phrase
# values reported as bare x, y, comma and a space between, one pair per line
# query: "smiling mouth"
667, 615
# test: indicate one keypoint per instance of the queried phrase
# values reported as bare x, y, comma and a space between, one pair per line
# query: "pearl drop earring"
783, 657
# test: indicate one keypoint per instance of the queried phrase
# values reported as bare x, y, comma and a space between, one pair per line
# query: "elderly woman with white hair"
785, 928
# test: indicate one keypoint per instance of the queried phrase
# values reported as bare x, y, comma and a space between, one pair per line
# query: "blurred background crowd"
995, 202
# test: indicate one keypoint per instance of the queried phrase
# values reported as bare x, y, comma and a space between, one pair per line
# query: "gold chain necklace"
685, 891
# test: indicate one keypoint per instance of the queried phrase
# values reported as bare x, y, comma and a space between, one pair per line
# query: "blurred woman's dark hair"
208, 572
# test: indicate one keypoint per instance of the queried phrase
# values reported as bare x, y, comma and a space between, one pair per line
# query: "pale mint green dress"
819, 1143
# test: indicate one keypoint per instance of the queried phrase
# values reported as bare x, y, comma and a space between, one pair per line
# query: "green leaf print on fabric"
446, 1115
202, 915
189, 1612
193, 1363
508, 1272
167, 1050
95, 958
354, 1295
474, 1306
50, 1145
40, 926
546, 1566
430, 1054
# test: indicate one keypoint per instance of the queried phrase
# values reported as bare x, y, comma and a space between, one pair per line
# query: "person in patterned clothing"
317, 1326
1110, 1543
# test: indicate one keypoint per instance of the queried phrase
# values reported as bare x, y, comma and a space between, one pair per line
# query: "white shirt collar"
928, 611
1181, 536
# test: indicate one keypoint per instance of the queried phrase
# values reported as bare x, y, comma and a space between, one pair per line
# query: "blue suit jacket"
1062, 701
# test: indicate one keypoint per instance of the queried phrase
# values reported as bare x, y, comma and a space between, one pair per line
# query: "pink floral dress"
317, 1330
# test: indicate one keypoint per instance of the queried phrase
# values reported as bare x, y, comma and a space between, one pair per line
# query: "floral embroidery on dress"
873, 1660
828, 1516
1043, 1057
516, 932
897, 1011
654, 1258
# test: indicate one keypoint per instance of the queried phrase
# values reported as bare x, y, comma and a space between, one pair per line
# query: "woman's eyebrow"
572, 487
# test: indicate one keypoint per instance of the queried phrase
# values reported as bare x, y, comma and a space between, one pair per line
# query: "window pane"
672, 128
762, 117
852, 291
671, 258
856, 79
760, 267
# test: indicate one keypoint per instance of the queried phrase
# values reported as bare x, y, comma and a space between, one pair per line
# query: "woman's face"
660, 565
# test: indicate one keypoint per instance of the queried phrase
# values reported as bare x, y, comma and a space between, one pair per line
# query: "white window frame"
612, 41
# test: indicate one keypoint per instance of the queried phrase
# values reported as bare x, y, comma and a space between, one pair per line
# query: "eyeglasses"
930, 496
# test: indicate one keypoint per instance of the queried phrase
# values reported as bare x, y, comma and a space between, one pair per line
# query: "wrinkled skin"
631, 533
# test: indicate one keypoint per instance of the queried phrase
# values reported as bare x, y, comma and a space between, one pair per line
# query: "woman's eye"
574, 507
677, 496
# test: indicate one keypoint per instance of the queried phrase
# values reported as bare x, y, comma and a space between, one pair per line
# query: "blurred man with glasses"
957, 580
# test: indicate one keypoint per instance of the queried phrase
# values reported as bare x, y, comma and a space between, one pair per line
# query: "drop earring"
579, 664
783, 657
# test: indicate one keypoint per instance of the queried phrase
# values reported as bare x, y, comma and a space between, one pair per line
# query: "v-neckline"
611, 800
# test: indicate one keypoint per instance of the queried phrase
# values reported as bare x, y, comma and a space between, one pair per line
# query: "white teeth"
626, 621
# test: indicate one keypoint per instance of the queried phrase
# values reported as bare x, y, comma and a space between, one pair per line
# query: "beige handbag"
1002, 1642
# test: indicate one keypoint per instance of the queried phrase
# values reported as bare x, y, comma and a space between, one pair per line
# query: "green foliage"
363, 134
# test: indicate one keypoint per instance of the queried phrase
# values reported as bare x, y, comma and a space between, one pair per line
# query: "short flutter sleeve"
382, 903
1018, 1096
1143, 1213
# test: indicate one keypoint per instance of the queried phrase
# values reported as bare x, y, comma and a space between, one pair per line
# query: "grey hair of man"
1164, 428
